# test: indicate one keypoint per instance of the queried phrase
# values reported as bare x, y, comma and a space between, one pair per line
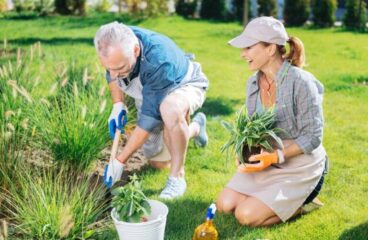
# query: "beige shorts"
155, 148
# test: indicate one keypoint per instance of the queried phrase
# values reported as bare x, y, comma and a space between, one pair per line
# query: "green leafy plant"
324, 12
130, 202
52, 204
255, 131
296, 12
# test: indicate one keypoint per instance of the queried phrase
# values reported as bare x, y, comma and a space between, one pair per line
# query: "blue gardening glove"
113, 172
115, 119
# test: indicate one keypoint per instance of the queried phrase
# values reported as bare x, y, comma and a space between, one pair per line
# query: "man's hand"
115, 119
113, 172
265, 160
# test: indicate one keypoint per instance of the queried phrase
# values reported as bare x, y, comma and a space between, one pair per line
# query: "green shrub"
296, 12
213, 9
103, 6
267, 8
356, 15
49, 204
239, 10
324, 12
152, 8
186, 8
71, 7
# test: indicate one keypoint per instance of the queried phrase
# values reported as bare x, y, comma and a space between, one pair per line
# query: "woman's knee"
226, 202
247, 216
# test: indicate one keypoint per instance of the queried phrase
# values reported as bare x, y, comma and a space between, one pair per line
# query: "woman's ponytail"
296, 53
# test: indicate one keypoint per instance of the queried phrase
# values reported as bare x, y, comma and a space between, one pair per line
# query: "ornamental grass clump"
130, 203
251, 133
52, 204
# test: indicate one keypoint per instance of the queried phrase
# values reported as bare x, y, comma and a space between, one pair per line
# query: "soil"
247, 153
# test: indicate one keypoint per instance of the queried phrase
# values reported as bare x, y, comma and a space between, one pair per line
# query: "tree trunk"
120, 2
245, 13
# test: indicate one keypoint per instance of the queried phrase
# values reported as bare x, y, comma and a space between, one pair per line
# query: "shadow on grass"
219, 106
359, 232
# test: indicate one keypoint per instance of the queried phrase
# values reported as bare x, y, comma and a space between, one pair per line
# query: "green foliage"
71, 7
129, 202
213, 9
267, 8
324, 12
356, 15
144, 9
72, 121
3, 5
186, 8
103, 6
42, 7
49, 204
296, 12
257, 130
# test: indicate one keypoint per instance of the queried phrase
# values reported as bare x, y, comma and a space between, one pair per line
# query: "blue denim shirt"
163, 65
298, 105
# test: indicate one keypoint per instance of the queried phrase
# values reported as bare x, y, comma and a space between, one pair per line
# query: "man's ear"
137, 50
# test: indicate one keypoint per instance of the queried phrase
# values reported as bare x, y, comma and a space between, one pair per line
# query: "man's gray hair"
115, 35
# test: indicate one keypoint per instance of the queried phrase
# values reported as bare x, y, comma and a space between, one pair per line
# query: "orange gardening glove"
265, 160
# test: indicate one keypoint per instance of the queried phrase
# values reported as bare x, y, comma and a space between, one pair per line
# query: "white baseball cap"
261, 29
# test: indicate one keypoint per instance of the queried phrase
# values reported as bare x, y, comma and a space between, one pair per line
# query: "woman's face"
257, 56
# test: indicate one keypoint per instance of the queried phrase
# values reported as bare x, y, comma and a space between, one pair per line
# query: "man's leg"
173, 110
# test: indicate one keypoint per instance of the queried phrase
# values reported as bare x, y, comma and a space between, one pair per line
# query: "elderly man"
167, 87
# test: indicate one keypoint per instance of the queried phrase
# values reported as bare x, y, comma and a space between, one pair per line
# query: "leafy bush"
213, 9
103, 6
356, 15
324, 12
71, 7
47, 204
186, 8
42, 7
257, 130
129, 202
267, 8
296, 12
238, 11
142, 8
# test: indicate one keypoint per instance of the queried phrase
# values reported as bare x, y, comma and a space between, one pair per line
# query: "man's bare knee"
160, 165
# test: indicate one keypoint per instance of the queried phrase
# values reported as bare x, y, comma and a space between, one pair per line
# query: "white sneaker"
175, 187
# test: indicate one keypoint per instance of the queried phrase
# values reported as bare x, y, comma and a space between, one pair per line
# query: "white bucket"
153, 229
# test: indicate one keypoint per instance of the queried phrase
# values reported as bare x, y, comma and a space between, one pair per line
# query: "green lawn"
337, 58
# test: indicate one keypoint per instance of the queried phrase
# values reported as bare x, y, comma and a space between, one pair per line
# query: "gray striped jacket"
298, 105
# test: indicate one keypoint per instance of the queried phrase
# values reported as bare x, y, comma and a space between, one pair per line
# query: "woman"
276, 188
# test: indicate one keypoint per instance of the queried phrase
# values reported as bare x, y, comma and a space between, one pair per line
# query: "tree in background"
3, 5
355, 16
296, 12
151, 8
324, 12
267, 8
186, 8
71, 7
213, 9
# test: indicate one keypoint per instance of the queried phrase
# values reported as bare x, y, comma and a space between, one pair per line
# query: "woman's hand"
264, 159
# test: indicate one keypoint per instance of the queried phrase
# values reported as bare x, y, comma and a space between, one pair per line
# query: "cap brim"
242, 41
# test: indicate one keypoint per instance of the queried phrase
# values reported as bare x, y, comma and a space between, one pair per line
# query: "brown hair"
296, 53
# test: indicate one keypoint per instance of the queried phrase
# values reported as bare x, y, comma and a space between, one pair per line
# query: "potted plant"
135, 216
251, 133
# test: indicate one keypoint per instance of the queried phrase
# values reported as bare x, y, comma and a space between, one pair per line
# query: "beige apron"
284, 187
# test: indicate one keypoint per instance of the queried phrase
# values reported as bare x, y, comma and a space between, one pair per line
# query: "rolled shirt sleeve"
309, 114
